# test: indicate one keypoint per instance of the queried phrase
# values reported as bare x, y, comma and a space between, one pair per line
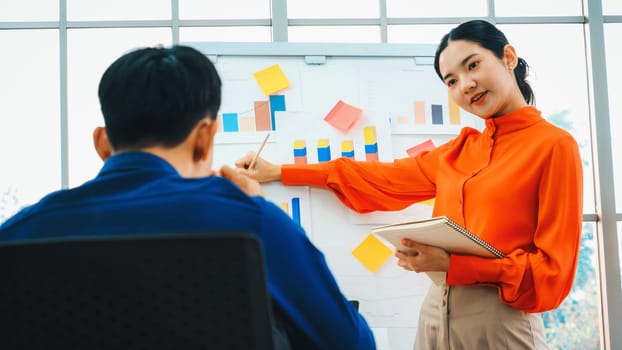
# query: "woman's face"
480, 82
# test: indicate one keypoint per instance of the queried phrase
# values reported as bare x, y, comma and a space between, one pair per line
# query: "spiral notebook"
441, 232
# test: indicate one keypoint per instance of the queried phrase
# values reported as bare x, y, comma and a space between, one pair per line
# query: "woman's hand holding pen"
261, 170
422, 258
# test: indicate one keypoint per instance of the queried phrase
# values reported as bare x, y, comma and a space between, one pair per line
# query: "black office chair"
147, 292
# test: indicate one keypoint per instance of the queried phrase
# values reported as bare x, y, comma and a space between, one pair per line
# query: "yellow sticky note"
372, 253
429, 202
271, 79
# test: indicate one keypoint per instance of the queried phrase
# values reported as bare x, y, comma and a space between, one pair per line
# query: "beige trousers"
474, 318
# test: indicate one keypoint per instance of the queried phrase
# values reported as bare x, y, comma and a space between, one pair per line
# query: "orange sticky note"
372, 253
423, 146
343, 116
271, 79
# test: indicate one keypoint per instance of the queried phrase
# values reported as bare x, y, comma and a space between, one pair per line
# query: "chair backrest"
204, 291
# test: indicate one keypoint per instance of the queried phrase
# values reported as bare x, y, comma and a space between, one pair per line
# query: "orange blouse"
518, 185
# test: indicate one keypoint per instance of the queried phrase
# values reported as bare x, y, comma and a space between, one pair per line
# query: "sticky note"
429, 202
424, 146
372, 253
343, 116
271, 79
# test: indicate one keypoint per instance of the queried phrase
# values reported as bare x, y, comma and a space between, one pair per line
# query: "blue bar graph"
347, 154
371, 148
230, 122
437, 114
323, 150
296, 210
277, 103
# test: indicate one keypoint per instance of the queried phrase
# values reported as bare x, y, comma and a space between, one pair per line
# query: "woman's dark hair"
489, 37
155, 96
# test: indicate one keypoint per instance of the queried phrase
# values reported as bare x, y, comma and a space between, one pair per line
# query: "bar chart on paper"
294, 201
252, 95
432, 118
261, 118
414, 108
317, 143
292, 208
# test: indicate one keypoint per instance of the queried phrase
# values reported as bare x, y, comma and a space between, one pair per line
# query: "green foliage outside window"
575, 323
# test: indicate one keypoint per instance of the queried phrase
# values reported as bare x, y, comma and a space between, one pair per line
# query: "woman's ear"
101, 143
510, 56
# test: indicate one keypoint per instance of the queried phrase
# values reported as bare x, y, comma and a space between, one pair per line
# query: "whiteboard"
399, 96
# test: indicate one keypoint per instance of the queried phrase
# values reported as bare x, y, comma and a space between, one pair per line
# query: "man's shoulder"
184, 203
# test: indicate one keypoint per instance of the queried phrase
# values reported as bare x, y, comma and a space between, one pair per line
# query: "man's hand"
245, 183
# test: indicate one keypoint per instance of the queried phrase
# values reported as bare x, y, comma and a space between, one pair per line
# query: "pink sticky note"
343, 116
423, 146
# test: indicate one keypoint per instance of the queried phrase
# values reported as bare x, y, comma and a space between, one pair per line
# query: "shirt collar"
136, 160
517, 120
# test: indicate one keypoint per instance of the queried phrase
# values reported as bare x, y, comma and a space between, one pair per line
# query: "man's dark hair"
155, 96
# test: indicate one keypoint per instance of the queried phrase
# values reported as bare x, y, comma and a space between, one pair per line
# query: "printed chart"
294, 200
252, 93
305, 138
415, 108
261, 118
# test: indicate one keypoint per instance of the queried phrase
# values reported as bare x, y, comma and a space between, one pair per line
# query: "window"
30, 109
343, 34
437, 8
90, 52
418, 33
506, 8
247, 34
29, 10
575, 323
612, 7
231, 9
80, 10
614, 74
333, 9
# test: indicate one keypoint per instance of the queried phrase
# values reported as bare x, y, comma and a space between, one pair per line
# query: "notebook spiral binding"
475, 238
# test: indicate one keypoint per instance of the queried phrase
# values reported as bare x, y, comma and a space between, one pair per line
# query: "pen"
250, 166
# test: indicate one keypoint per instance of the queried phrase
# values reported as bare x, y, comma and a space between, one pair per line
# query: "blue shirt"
140, 193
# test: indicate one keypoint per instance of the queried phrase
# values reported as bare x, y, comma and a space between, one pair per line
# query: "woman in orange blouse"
517, 184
